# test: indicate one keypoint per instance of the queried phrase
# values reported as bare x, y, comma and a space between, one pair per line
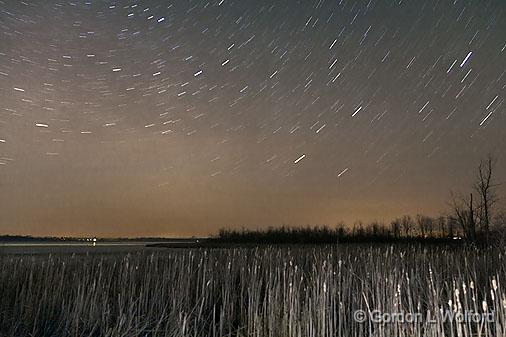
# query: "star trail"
180, 117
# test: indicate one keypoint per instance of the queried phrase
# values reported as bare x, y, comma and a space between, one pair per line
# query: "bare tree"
374, 228
358, 229
451, 223
464, 213
441, 222
407, 225
419, 222
429, 226
424, 225
485, 188
395, 227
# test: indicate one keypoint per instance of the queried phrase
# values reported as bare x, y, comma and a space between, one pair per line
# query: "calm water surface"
73, 247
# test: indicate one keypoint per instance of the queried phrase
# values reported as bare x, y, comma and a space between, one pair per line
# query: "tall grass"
276, 292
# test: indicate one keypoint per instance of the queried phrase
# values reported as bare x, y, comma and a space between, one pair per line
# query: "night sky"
177, 118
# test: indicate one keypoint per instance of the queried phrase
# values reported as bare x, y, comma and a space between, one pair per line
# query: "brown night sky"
179, 118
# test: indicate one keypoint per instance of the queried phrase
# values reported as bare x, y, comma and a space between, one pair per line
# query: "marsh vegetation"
270, 291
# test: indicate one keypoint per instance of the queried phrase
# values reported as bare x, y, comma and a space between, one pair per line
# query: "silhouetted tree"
358, 229
407, 224
475, 217
451, 223
441, 222
464, 213
395, 227
485, 188
424, 225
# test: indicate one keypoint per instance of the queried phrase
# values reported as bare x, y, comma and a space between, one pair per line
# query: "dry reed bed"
278, 292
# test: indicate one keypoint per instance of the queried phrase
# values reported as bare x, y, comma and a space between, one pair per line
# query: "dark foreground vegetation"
297, 291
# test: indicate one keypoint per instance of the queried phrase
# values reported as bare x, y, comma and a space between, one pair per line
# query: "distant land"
242, 241
55, 239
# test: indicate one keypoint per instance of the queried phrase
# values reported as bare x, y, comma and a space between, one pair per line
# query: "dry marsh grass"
290, 291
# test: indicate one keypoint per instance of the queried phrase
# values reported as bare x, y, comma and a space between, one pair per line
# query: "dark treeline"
304, 235
404, 229
400, 230
472, 218
29, 238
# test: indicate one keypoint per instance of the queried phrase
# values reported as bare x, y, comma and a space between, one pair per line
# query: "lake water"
74, 247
